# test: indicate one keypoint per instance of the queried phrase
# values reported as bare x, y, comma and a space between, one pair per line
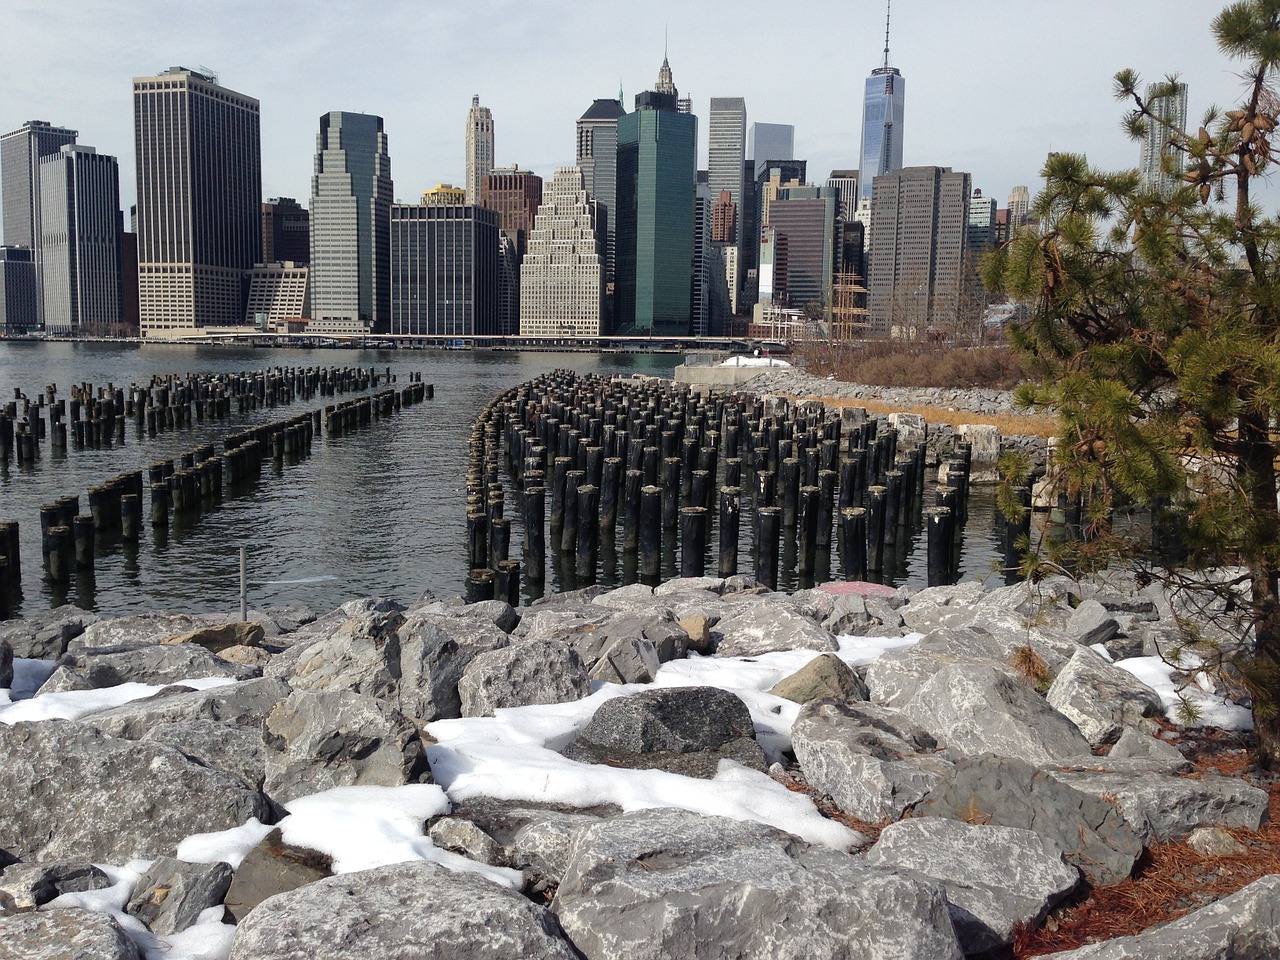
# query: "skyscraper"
562, 276
21, 151
479, 147
597, 149
1170, 110
804, 223
514, 195
769, 141
444, 275
199, 188
702, 295
882, 111
657, 174
982, 223
919, 227
1019, 204
727, 151
79, 249
351, 195
286, 231
17, 290
846, 182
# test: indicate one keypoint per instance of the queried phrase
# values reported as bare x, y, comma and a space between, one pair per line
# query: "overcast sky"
991, 85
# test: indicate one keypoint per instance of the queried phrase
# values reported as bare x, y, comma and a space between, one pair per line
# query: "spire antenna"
888, 4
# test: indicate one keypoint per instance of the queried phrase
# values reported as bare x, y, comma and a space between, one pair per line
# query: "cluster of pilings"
95, 417
180, 490
674, 468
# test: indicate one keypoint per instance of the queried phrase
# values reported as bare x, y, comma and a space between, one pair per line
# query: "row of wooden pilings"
179, 491
673, 467
95, 417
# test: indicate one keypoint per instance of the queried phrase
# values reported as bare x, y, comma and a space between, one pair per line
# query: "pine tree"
1155, 331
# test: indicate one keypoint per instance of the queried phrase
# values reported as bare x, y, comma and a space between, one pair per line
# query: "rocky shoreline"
609, 773
797, 383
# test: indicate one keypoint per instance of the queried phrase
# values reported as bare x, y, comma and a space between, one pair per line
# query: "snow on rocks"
609, 743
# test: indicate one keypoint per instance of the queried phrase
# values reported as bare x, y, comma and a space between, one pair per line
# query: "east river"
375, 512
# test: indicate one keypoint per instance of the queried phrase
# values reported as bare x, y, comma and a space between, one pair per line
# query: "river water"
377, 512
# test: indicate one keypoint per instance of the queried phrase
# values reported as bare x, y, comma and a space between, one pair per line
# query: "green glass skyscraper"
657, 177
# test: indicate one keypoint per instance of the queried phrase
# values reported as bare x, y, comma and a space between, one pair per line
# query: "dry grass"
897, 363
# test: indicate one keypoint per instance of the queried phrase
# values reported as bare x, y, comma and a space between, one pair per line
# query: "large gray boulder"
976, 709
627, 660
30, 885
686, 730
407, 911
997, 878
1243, 926
140, 629
1092, 623
46, 635
70, 934
535, 671
763, 627
171, 894
317, 741
238, 751
241, 705
87, 796
157, 664
663, 884
1101, 698
362, 654
435, 648
871, 762
1165, 807
824, 676
658, 630
1155, 754
272, 867
1003, 792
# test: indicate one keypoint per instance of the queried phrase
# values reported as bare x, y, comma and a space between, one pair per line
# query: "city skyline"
342, 57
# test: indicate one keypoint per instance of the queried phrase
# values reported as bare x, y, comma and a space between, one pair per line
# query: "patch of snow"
74, 704
1215, 710
743, 361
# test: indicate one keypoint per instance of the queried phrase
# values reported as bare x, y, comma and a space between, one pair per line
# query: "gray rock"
823, 676
465, 838
763, 627
45, 636
272, 867
1101, 699
627, 597
664, 883
1152, 751
140, 629
30, 885
544, 623
171, 894
434, 651
1243, 926
689, 585
871, 763
238, 751
848, 616
1215, 842
70, 934
659, 629
157, 664
63, 680
362, 655
1002, 792
218, 638
976, 709
317, 741
1165, 807
686, 730
627, 660
997, 878
535, 671
406, 911
89, 796
6, 665
242, 705
1092, 623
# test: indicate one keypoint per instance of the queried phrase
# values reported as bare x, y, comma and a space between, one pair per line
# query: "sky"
991, 85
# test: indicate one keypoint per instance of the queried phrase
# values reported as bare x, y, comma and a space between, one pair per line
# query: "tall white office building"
727, 134
562, 275
1170, 110
479, 148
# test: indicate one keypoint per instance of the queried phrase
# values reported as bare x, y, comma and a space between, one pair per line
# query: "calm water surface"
374, 513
